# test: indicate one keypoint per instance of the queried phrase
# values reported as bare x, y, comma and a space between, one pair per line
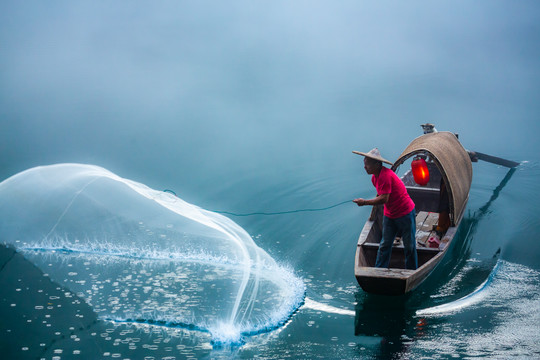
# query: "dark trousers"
406, 225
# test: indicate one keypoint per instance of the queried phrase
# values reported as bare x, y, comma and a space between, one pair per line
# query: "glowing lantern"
420, 171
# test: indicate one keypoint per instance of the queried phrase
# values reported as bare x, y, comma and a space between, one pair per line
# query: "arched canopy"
453, 162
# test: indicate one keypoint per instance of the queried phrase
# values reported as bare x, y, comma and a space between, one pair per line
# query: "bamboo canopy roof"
452, 160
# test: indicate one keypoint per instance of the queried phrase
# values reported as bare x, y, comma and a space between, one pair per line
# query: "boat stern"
384, 281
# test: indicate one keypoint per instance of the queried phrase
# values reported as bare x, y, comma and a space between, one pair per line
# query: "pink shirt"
399, 202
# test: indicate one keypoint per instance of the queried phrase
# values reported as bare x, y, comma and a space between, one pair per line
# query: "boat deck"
425, 227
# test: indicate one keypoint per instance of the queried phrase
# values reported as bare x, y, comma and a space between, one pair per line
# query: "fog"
172, 90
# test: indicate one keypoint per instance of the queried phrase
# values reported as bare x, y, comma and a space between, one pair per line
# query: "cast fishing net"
138, 254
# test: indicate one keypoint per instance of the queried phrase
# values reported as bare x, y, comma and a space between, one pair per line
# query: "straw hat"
374, 154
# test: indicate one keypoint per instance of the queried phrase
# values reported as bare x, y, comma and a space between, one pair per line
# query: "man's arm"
379, 200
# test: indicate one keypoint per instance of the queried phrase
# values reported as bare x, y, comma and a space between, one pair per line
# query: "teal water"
245, 107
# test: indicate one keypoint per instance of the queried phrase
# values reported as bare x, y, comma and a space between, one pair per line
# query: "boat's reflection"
388, 320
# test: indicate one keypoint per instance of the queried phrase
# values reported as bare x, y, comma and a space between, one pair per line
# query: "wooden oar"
475, 156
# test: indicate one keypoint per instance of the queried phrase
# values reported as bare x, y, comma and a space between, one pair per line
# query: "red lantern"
420, 171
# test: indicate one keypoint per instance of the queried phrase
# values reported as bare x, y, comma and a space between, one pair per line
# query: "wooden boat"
450, 177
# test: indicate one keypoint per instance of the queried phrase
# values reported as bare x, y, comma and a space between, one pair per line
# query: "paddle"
475, 156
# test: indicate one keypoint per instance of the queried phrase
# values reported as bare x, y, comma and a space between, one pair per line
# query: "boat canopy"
452, 160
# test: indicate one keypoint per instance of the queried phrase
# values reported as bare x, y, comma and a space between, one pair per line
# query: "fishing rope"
271, 213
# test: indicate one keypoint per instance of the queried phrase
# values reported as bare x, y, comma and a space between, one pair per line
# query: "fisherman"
399, 214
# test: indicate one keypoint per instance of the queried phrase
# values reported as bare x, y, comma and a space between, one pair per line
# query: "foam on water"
506, 305
140, 255
473, 298
315, 305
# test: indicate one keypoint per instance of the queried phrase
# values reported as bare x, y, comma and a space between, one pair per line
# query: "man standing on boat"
399, 214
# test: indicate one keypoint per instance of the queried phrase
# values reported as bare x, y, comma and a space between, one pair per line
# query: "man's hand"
360, 201
379, 200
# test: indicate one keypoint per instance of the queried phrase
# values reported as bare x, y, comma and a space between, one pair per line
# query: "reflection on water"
387, 319
499, 319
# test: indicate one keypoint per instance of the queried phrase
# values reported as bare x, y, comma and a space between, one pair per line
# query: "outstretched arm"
379, 200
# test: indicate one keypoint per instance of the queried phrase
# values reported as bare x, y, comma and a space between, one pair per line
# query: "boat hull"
438, 204
395, 280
